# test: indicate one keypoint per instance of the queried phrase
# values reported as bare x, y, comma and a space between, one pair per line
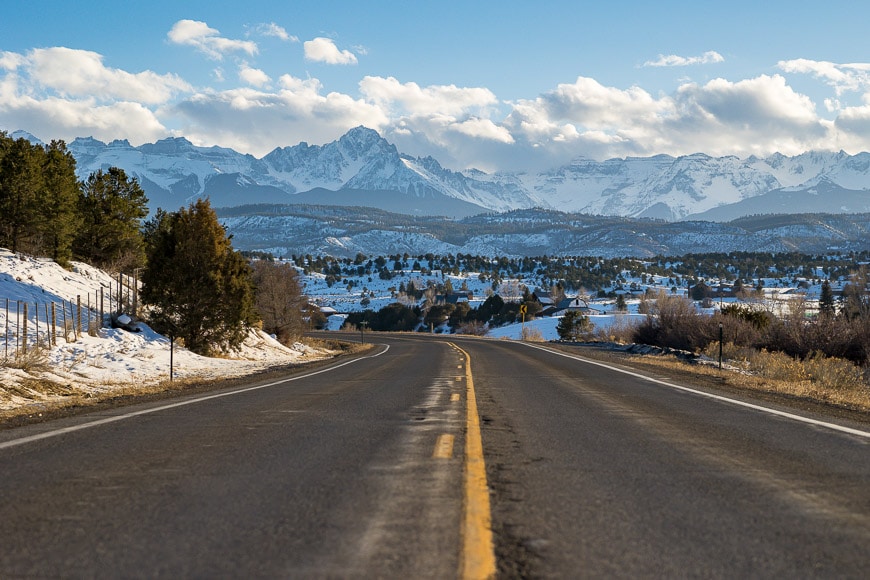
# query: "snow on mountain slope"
174, 171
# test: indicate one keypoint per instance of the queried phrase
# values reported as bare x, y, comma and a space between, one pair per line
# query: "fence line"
25, 327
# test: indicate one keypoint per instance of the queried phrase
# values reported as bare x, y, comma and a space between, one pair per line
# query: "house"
327, 311
544, 298
576, 304
454, 297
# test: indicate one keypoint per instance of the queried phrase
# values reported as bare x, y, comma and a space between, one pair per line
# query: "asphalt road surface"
369, 468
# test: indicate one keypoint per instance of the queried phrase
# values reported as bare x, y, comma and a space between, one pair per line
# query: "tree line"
601, 276
46, 211
195, 286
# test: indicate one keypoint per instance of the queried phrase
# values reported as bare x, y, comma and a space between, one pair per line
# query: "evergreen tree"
573, 325
621, 306
59, 202
826, 299
112, 207
21, 182
198, 287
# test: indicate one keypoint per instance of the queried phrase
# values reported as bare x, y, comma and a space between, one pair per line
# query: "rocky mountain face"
363, 169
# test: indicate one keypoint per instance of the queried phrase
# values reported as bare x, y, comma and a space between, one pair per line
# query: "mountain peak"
168, 146
19, 134
174, 170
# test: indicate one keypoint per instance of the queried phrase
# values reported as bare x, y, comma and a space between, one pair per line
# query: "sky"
496, 85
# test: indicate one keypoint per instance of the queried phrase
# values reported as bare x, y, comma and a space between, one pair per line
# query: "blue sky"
493, 85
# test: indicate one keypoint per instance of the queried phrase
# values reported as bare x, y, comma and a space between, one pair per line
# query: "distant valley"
345, 231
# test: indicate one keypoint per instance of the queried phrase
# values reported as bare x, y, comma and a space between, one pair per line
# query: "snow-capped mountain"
363, 169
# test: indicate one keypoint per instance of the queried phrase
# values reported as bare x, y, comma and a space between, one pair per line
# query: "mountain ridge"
174, 172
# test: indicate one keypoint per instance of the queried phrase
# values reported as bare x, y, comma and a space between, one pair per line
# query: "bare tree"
279, 300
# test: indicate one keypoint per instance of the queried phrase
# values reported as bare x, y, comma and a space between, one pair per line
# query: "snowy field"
113, 358
108, 358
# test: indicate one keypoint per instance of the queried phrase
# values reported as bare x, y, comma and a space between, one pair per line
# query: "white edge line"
98, 422
792, 416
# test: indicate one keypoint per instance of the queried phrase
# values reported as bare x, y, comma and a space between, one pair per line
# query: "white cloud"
11, 60
754, 116
208, 40
81, 73
483, 129
842, 77
709, 57
257, 121
324, 50
63, 92
411, 98
253, 76
272, 29
57, 118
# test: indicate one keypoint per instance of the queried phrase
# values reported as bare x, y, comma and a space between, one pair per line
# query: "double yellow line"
477, 559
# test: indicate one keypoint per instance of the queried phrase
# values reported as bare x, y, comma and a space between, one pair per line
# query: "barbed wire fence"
40, 325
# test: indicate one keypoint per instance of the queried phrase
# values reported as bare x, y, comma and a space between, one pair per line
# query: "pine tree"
826, 299
21, 182
621, 306
198, 287
112, 207
59, 202
573, 325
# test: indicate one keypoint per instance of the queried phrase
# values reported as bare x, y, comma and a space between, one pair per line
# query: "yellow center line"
477, 559
454, 397
443, 446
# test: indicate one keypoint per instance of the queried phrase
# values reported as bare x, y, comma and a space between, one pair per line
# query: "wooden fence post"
53, 325
17, 327
65, 329
24, 347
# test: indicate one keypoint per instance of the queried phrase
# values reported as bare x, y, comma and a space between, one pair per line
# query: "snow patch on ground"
111, 358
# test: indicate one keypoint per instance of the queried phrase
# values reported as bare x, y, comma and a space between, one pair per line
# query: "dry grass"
35, 359
37, 399
817, 380
531, 334
336, 345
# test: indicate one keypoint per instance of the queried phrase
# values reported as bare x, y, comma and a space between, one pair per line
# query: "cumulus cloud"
753, 116
62, 92
324, 50
65, 93
58, 118
452, 123
842, 77
253, 76
411, 98
257, 121
709, 57
208, 40
11, 60
81, 73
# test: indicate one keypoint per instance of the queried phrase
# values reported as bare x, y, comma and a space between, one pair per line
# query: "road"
368, 468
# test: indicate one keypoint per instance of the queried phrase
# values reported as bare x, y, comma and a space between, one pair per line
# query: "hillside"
344, 232
106, 360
